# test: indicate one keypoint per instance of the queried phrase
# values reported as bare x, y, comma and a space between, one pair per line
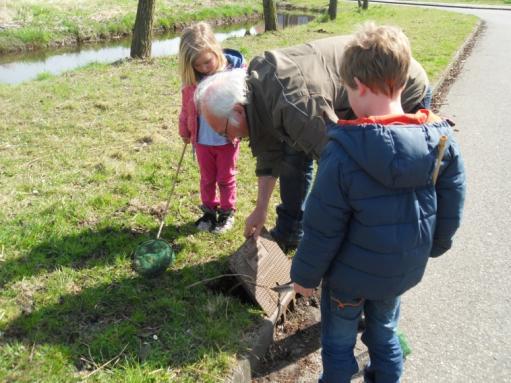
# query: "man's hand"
255, 222
302, 290
186, 140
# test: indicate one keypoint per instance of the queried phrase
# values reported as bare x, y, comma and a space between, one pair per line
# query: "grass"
86, 162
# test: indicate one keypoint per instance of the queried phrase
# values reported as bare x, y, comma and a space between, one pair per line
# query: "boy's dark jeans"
339, 323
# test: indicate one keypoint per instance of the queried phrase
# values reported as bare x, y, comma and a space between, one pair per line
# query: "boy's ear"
361, 87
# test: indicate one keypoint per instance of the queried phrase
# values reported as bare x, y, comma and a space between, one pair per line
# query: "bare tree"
332, 9
270, 15
143, 30
364, 4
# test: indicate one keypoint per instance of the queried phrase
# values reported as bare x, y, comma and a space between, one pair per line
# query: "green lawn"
86, 162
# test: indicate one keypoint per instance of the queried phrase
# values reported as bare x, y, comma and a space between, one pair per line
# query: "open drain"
230, 286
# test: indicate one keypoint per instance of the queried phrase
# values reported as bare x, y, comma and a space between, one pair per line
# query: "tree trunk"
142, 31
332, 9
365, 4
270, 15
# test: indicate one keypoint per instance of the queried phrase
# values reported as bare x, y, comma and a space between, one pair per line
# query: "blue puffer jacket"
374, 217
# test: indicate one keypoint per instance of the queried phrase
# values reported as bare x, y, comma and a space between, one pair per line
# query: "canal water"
15, 69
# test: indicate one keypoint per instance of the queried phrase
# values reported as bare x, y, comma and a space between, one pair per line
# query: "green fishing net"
152, 257
405, 347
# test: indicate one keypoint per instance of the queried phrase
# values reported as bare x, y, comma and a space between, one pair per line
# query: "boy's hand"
302, 290
186, 140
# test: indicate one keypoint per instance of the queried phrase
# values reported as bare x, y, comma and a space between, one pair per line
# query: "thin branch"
32, 352
106, 363
218, 277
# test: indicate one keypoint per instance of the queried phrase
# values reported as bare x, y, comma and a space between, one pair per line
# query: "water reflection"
34, 64
286, 19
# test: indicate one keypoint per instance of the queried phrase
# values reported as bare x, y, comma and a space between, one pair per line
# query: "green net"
152, 257
405, 347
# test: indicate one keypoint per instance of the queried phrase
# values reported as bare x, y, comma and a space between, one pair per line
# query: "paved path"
458, 320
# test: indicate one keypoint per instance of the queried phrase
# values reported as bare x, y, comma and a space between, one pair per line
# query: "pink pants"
218, 166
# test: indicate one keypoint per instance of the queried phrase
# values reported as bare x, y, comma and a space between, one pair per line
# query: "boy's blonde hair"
379, 57
196, 39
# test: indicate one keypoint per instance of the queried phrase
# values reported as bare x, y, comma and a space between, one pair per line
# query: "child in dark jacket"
377, 211
200, 55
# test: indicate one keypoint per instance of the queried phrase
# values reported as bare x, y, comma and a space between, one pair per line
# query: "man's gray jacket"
293, 92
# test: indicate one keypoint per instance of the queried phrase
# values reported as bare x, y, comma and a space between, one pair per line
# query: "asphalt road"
458, 320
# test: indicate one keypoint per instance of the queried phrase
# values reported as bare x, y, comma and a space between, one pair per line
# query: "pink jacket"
188, 118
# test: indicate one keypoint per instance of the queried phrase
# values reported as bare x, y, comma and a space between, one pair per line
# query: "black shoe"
286, 246
361, 326
368, 375
225, 221
208, 221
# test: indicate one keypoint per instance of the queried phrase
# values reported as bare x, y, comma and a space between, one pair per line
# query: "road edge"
449, 74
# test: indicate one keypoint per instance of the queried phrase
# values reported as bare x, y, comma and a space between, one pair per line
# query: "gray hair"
220, 92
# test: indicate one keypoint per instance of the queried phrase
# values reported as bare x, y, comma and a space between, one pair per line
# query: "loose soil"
295, 355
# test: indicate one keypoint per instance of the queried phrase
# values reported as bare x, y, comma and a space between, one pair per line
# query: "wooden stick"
105, 364
32, 353
217, 277
165, 211
441, 150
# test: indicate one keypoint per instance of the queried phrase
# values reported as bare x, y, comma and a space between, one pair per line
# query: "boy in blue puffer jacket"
375, 215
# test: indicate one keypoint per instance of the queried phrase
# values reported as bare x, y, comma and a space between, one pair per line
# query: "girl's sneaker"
225, 221
208, 220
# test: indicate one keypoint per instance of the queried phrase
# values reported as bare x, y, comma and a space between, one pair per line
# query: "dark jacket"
374, 217
293, 92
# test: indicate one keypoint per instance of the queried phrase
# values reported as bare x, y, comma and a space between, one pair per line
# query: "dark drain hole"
231, 286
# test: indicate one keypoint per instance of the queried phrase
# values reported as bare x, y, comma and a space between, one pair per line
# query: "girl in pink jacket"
201, 55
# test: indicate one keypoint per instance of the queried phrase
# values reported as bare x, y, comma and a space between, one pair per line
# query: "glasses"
224, 133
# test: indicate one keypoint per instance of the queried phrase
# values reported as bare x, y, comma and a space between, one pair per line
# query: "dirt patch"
295, 350
7, 23
136, 206
27, 290
295, 355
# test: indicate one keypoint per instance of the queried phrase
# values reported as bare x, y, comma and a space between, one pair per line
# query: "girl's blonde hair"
195, 40
379, 56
